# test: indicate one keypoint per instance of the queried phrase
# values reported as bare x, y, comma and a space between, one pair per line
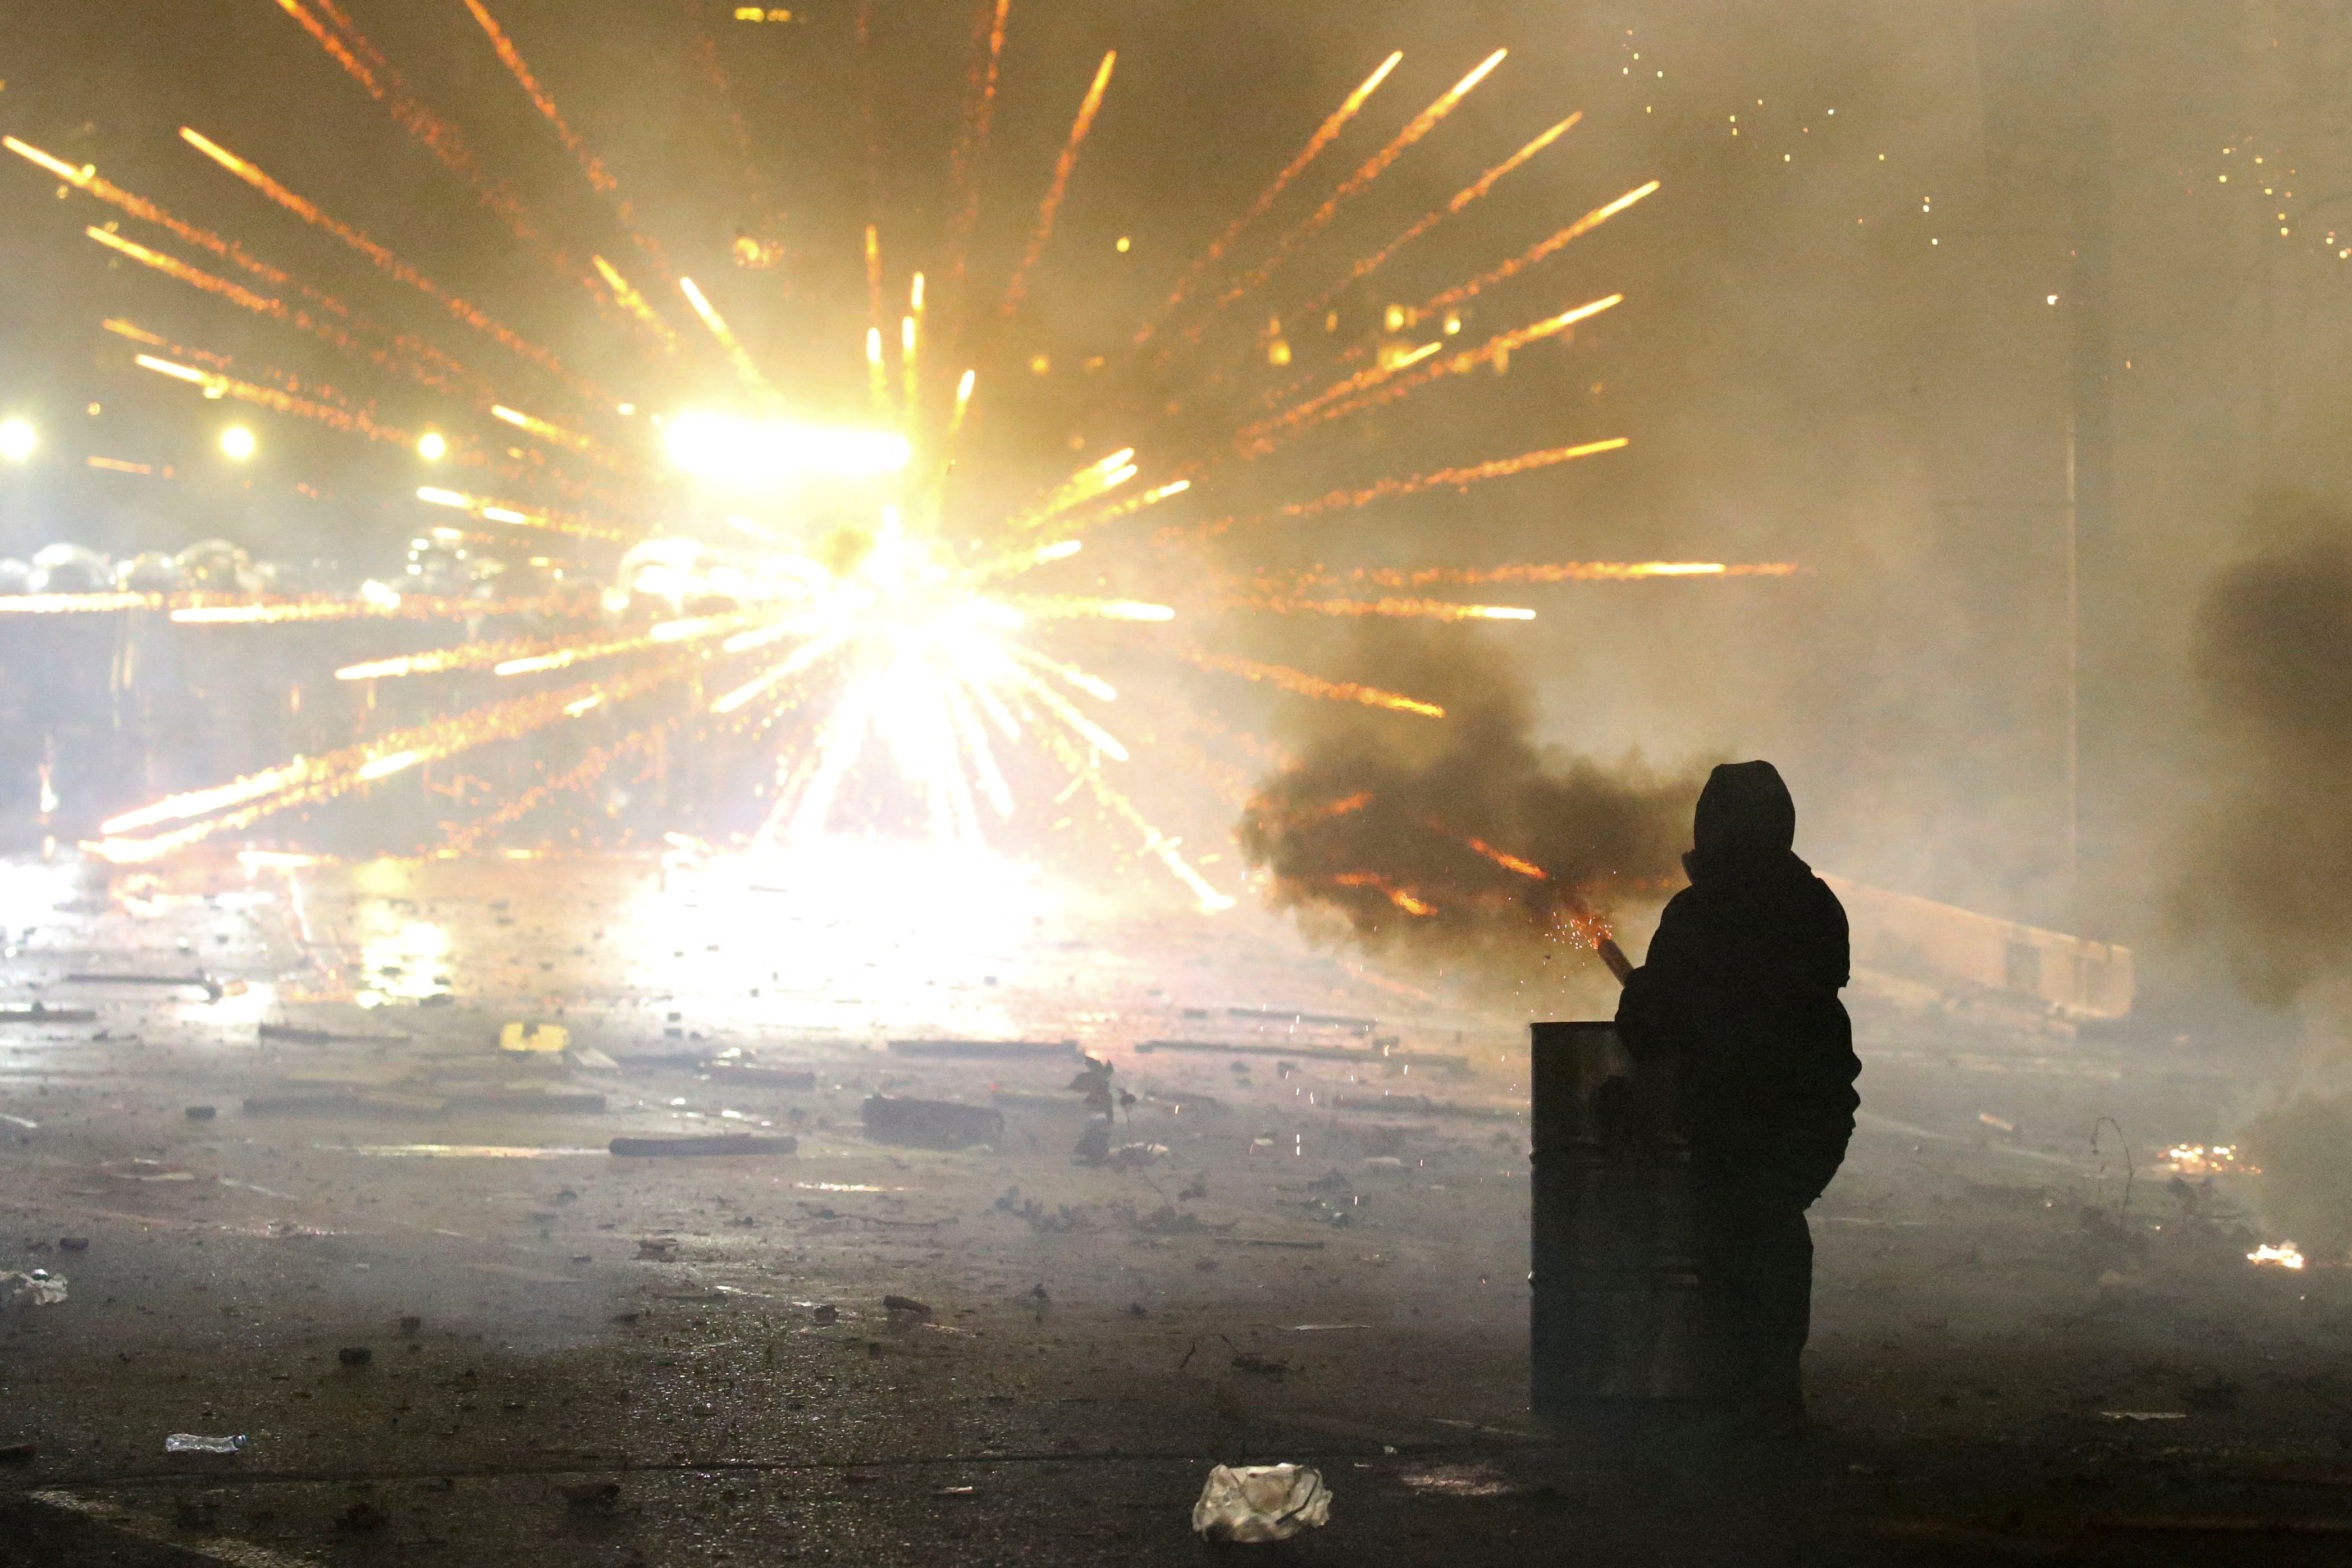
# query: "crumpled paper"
38, 1288
1261, 1502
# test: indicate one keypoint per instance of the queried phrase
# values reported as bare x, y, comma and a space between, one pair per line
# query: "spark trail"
393, 265
1323, 136
1372, 169
1064, 166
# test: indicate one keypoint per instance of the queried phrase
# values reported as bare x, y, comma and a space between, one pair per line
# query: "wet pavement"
452, 1327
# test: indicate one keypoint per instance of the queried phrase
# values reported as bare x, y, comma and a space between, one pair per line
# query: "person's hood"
1744, 812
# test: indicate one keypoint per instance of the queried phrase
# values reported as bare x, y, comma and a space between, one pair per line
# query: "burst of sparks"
900, 651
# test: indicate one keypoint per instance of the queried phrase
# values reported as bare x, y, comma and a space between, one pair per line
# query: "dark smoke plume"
1463, 841
2274, 877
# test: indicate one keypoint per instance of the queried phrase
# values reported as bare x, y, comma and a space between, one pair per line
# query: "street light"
237, 443
16, 439
432, 447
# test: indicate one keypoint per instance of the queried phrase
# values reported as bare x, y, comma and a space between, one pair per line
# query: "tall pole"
2073, 699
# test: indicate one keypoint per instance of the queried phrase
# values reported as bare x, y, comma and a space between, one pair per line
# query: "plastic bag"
38, 1288
1261, 1502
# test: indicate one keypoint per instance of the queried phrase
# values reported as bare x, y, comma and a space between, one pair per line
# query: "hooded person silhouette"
1739, 990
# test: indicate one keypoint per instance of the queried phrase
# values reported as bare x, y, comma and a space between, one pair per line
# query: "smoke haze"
1463, 842
2272, 882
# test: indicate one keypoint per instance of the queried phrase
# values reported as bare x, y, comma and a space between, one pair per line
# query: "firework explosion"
915, 637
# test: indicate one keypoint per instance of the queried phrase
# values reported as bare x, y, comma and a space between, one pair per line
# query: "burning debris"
2198, 1160
2284, 1254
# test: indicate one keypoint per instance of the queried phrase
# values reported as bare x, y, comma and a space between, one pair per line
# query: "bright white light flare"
755, 452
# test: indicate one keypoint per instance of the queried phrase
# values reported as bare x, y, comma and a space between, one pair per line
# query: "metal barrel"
1614, 1319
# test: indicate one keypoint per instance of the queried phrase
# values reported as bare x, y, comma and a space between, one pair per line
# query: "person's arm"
1649, 1011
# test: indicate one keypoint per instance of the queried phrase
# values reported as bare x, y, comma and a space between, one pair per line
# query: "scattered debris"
542, 1038
197, 1443
73, 1243
354, 1355
411, 1325
201, 1113
900, 1307
1261, 1502
956, 1492
1995, 1123
18, 1453
1257, 1365
213, 990
37, 1013
724, 1144
931, 1124
2145, 1414
1063, 1219
826, 1317
660, 1249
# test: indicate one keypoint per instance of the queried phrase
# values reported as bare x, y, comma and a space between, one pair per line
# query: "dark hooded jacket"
1740, 990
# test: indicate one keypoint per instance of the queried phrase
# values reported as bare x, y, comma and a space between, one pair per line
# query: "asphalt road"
572, 1357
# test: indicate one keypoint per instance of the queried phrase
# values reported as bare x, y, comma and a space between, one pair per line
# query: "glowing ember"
2198, 1160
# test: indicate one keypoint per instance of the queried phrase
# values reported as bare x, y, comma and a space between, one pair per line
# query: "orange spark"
634, 302
353, 421
1062, 167
1509, 861
572, 523
737, 355
1459, 478
972, 141
1322, 138
1356, 393
205, 610
586, 771
86, 180
1127, 507
1582, 572
1305, 684
599, 177
307, 779
1416, 609
1421, 125
426, 355
435, 135
1536, 252
526, 655
1069, 606
1397, 896
569, 439
386, 262
1428, 221
234, 293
